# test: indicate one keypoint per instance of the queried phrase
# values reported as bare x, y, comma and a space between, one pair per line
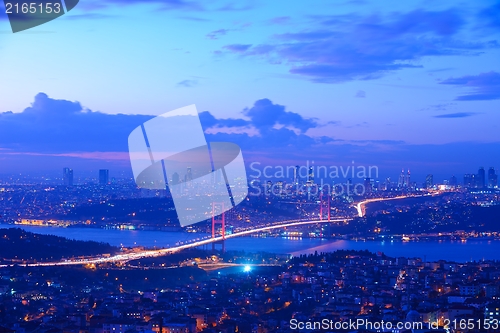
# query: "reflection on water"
427, 250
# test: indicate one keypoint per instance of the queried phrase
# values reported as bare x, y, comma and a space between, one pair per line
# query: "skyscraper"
492, 178
429, 181
468, 180
103, 176
453, 181
175, 178
408, 180
311, 175
368, 185
68, 177
296, 175
481, 176
401, 180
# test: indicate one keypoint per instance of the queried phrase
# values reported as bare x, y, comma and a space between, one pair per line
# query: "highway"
161, 252
360, 207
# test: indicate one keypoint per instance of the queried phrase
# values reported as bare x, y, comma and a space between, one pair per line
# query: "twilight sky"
414, 84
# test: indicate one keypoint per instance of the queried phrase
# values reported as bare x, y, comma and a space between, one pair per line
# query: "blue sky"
414, 84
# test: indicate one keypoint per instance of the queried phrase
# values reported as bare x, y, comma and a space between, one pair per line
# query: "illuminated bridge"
360, 207
188, 244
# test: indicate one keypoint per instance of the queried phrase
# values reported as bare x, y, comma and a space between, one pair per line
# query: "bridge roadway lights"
158, 253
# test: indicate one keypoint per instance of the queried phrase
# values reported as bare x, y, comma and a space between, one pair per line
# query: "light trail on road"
170, 250
360, 207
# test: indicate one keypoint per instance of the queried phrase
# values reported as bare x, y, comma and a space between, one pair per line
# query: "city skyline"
467, 179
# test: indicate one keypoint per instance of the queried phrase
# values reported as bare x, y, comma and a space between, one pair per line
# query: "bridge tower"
222, 221
321, 206
321, 203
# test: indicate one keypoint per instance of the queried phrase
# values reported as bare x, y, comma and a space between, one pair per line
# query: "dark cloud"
187, 83
352, 47
490, 16
264, 115
485, 86
52, 134
51, 126
456, 115
61, 126
209, 121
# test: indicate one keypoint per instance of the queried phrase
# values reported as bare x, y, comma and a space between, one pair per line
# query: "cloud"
53, 127
437, 70
277, 128
457, 115
354, 47
187, 83
438, 107
61, 126
52, 133
164, 4
360, 94
187, 5
264, 115
194, 19
90, 16
490, 16
280, 20
237, 6
217, 33
209, 121
485, 86
239, 48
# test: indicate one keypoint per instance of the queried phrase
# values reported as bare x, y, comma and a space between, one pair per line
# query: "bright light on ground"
247, 268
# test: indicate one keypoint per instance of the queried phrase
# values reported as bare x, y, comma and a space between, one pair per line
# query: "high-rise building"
68, 177
176, 179
481, 177
368, 185
401, 180
429, 181
296, 175
407, 179
453, 181
103, 176
189, 174
311, 175
473, 180
269, 187
388, 186
468, 180
492, 178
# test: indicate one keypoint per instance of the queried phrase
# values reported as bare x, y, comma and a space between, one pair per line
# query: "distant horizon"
125, 174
